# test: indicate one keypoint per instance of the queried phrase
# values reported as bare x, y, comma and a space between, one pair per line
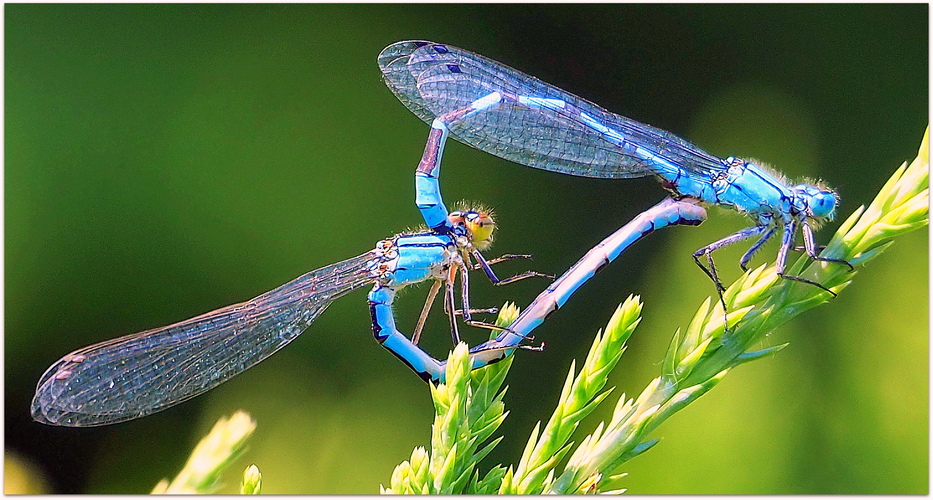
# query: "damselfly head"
479, 224
821, 202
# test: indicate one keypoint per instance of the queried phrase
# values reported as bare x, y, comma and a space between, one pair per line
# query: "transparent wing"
139, 374
432, 79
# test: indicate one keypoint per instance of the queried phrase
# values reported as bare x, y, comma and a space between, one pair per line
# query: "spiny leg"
450, 305
426, 310
787, 242
708, 252
754, 249
493, 346
488, 310
432, 294
482, 263
466, 311
502, 258
465, 298
813, 250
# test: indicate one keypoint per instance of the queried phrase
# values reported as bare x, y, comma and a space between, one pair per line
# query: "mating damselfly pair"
491, 107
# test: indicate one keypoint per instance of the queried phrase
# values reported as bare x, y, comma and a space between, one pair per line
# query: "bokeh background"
166, 160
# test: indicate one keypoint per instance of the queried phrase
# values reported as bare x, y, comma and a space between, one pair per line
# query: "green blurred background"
166, 160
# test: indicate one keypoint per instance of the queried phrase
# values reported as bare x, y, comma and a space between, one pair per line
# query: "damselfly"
497, 109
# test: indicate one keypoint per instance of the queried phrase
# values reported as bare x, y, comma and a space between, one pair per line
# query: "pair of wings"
140, 374
432, 79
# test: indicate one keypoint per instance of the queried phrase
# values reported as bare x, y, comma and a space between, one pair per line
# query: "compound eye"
820, 202
481, 227
823, 204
